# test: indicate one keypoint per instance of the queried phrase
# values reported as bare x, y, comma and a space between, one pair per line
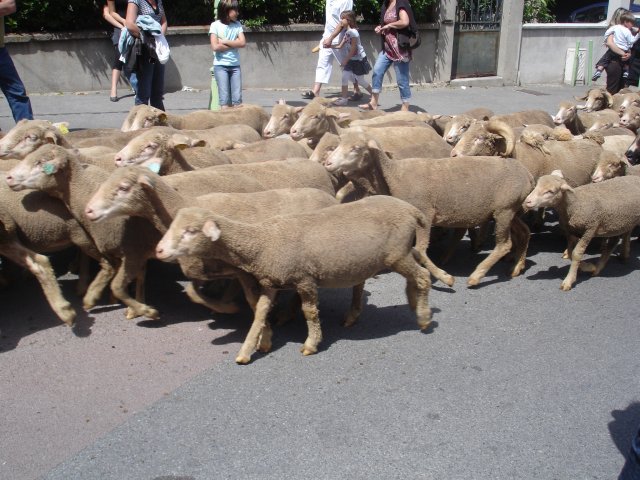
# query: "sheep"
622, 101
282, 118
612, 165
399, 116
580, 122
597, 99
578, 158
270, 149
630, 118
166, 151
144, 116
338, 247
525, 117
608, 209
125, 244
136, 191
451, 192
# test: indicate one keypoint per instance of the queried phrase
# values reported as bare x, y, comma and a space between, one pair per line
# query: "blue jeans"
13, 88
229, 80
150, 76
631, 469
402, 76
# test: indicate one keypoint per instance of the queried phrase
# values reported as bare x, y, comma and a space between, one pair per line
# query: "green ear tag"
49, 169
154, 167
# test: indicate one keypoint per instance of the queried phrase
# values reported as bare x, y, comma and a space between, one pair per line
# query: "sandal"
367, 106
355, 97
308, 95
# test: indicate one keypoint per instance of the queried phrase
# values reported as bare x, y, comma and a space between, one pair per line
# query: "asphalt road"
518, 380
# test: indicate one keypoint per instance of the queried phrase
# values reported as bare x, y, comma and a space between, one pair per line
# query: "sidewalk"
94, 110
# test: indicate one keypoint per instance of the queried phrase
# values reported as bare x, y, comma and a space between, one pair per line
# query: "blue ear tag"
154, 167
49, 169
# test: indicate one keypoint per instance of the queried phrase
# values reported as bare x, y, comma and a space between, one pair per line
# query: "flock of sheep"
314, 196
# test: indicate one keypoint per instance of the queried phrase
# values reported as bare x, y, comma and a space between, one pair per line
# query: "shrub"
69, 15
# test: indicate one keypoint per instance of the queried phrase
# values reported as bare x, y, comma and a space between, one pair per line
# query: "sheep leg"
418, 286
194, 294
263, 306
419, 252
625, 250
140, 289
609, 245
479, 236
40, 266
309, 296
356, 305
83, 273
250, 288
287, 314
97, 286
520, 233
576, 256
458, 233
571, 244
503, 246
131, 265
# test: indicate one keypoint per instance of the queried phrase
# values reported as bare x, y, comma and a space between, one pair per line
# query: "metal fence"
478, 15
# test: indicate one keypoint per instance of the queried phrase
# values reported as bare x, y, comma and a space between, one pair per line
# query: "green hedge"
69, 15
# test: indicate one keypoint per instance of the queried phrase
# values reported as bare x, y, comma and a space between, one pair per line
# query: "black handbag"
408, 39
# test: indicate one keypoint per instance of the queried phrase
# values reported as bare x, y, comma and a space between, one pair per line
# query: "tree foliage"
69, 15
538, 11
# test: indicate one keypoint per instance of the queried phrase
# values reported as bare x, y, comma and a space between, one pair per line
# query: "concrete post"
614, 5
510, 39
446, 15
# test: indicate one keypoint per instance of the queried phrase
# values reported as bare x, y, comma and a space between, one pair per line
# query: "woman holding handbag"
151, 71
395, 15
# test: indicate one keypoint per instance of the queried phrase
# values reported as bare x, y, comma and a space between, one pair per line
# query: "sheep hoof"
472, 282
565, 287
449, 280
242, 360
68, 315
349, 320
264, 347
88, 306
588, 267
424, 325
147, 312
308, 350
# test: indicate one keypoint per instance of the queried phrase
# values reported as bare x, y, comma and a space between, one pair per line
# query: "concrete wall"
544, 47
277, 57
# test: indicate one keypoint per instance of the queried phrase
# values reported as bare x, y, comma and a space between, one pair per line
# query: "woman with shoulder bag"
395, 15
114, 12
151, 71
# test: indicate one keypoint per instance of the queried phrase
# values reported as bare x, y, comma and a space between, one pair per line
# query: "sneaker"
596, 75
625, 75
341, 102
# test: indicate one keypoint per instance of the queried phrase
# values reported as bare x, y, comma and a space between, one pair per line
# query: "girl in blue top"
226, 38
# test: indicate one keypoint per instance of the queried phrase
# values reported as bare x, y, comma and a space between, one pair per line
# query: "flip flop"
113, 99
366, 106
308, 95
355, 97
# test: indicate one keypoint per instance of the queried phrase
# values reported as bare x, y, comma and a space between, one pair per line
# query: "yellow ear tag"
63, 129
49, 169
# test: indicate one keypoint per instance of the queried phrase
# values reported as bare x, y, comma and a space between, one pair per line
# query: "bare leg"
373, 103
115, 77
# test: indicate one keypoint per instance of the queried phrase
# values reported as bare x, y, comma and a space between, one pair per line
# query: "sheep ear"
330, 112
436, 117
211, 230
565, 187
373, 145
344, 116
146, 181
51, 137
162, 117
51, 167
557, 173
581, 98
609, 98
281, 102
298, 109
180, 141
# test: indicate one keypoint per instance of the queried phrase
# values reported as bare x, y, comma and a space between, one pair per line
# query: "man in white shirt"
333, 9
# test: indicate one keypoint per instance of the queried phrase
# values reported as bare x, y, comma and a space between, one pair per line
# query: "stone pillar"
446, 16
614, 5
510, 39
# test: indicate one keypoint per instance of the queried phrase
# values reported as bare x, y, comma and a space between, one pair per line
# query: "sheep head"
154, 149
283, 117
566, 113
143, 116
43, 169
548, 191
479, 141
191, 233
312, 121
456, 127
123, 193
628, 100
28, 135
610, 165
597, 99
353, 154
324, 148
630, 118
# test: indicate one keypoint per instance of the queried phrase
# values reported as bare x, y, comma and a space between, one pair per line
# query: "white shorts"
325, 62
